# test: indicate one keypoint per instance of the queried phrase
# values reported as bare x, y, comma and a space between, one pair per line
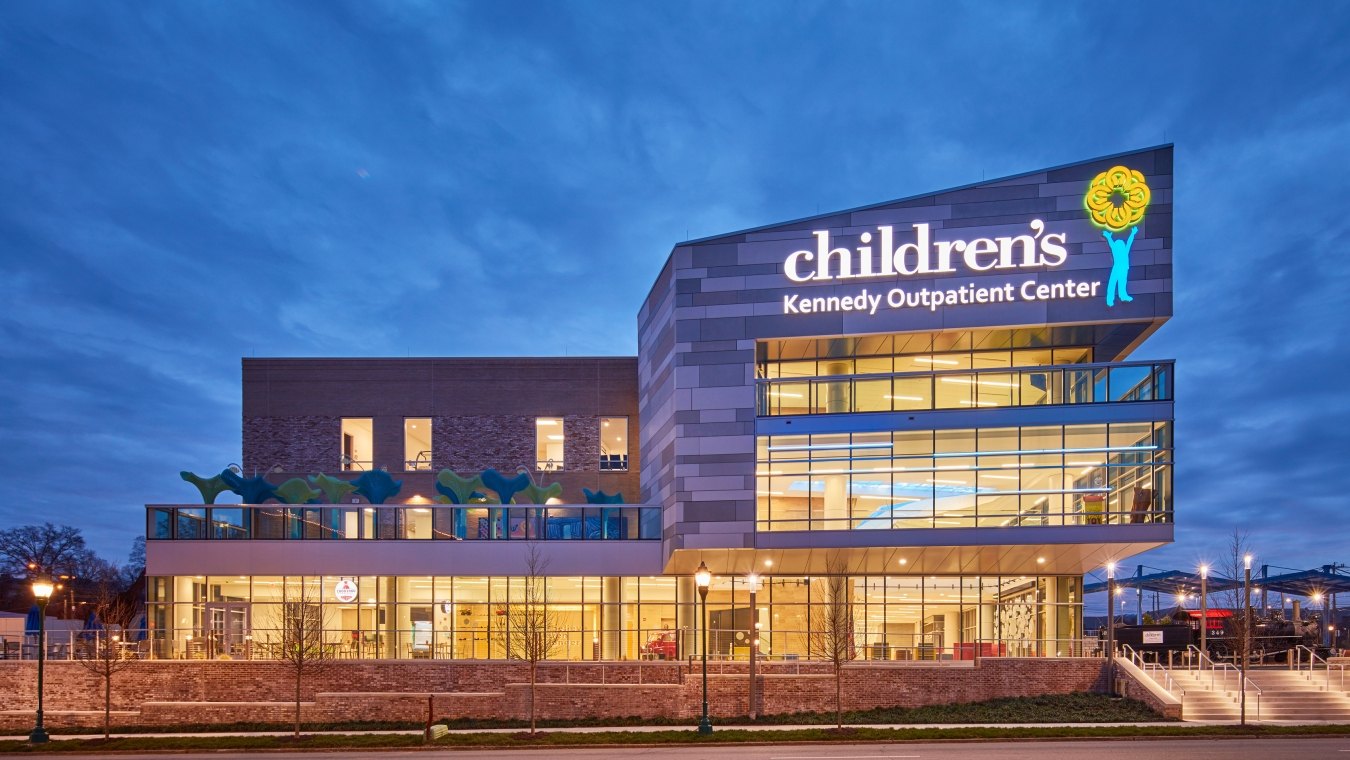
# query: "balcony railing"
990, 516
967, 389
444, 522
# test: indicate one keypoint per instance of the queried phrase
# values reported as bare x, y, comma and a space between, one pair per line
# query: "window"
548, 443
357, 451
614, 443
417, 443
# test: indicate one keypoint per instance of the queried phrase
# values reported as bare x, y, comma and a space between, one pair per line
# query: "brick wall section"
165, 693
302, 443
483, 415
472, 443
1132, 689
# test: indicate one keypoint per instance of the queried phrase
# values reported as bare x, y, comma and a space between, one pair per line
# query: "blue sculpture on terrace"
377, 486
254, 490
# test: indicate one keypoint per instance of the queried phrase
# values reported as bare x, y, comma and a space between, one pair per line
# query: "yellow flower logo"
1116, 198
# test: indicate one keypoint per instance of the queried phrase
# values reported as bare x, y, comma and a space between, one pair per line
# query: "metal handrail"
1313, 659
1214, 667
1249, 682
1160, 388
1152, 669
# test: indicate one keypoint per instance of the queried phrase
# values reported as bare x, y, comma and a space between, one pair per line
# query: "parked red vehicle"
663, 646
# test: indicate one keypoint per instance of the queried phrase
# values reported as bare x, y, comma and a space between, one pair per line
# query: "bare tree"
831, 635
529, 629
302, 648
103, 654
53, 548
1233, 566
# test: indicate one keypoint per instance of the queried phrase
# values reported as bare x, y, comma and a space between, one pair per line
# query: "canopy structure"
1313, 584
1166, 582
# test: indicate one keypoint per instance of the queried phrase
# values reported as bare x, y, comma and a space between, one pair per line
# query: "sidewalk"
649, 729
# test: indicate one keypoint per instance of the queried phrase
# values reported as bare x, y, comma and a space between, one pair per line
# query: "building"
921, 411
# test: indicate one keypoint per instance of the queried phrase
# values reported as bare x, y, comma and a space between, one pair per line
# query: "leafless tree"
1233, 566
831, 634
104, 654
301, 646
52, 548
529, 629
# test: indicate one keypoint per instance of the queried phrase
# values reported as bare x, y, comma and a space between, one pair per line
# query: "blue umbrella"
32, 622
139, 625
91, 627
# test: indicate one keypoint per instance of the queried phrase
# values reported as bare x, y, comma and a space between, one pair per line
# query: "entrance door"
228, 629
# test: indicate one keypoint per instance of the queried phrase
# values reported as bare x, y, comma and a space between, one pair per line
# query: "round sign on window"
345, 591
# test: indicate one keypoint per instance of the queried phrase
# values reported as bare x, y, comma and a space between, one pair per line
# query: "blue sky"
183, 184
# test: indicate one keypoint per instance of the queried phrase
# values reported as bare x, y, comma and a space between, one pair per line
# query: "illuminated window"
357, 451
417, 443
614, 443
548, 443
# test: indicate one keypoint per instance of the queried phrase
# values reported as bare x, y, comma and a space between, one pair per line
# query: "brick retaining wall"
169, 692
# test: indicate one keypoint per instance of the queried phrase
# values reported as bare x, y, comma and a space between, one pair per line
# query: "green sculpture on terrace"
297, 491
210, 487
537, 494
457, 490
335, 489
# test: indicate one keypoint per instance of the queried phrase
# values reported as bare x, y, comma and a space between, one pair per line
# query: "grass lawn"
1059, 708
1054, 708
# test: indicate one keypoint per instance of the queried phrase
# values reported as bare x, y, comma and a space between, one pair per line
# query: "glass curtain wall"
990, 477
611, 618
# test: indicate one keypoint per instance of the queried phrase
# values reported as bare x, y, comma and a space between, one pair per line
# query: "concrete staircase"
1284, 696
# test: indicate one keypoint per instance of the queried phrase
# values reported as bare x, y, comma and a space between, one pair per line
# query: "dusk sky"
185, 184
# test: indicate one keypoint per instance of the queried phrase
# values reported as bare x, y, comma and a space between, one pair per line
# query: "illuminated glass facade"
928, 412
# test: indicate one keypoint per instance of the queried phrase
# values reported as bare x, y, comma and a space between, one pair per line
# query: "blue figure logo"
1115, 201
1120, 267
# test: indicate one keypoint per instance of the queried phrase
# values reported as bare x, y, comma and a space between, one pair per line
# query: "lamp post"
42, 591
1110, 627
1204, 614
1246, 630
1317, 600
753, 581
703, 579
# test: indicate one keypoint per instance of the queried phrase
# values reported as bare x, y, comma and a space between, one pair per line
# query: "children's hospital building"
927, 411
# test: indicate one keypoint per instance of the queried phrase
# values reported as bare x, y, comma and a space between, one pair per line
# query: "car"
663, 646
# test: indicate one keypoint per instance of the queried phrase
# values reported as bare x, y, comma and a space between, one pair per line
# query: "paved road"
1135, 749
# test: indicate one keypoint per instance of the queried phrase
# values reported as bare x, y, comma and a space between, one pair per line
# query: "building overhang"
408, 557
1060, 550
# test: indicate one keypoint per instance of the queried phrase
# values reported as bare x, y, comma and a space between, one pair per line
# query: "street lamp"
1204, 614
1246, 629
703, 579
1110, 627
42, 591
752, 580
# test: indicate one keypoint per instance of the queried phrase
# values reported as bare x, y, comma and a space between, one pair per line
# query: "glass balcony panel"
912, 393
954, 392
191, 523
650, 523
790, 398
159, 523
228, 523
947, 389
834, 396
873, 396
1131, 383
1037, 388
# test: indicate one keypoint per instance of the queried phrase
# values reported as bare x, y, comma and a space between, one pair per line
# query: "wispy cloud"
187, 184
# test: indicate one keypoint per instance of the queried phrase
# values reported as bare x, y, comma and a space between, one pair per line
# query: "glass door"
228, 630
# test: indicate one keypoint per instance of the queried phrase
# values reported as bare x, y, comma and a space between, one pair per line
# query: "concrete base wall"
168, 693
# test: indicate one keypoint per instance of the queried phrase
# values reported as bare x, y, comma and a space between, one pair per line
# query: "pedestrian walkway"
651, 729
